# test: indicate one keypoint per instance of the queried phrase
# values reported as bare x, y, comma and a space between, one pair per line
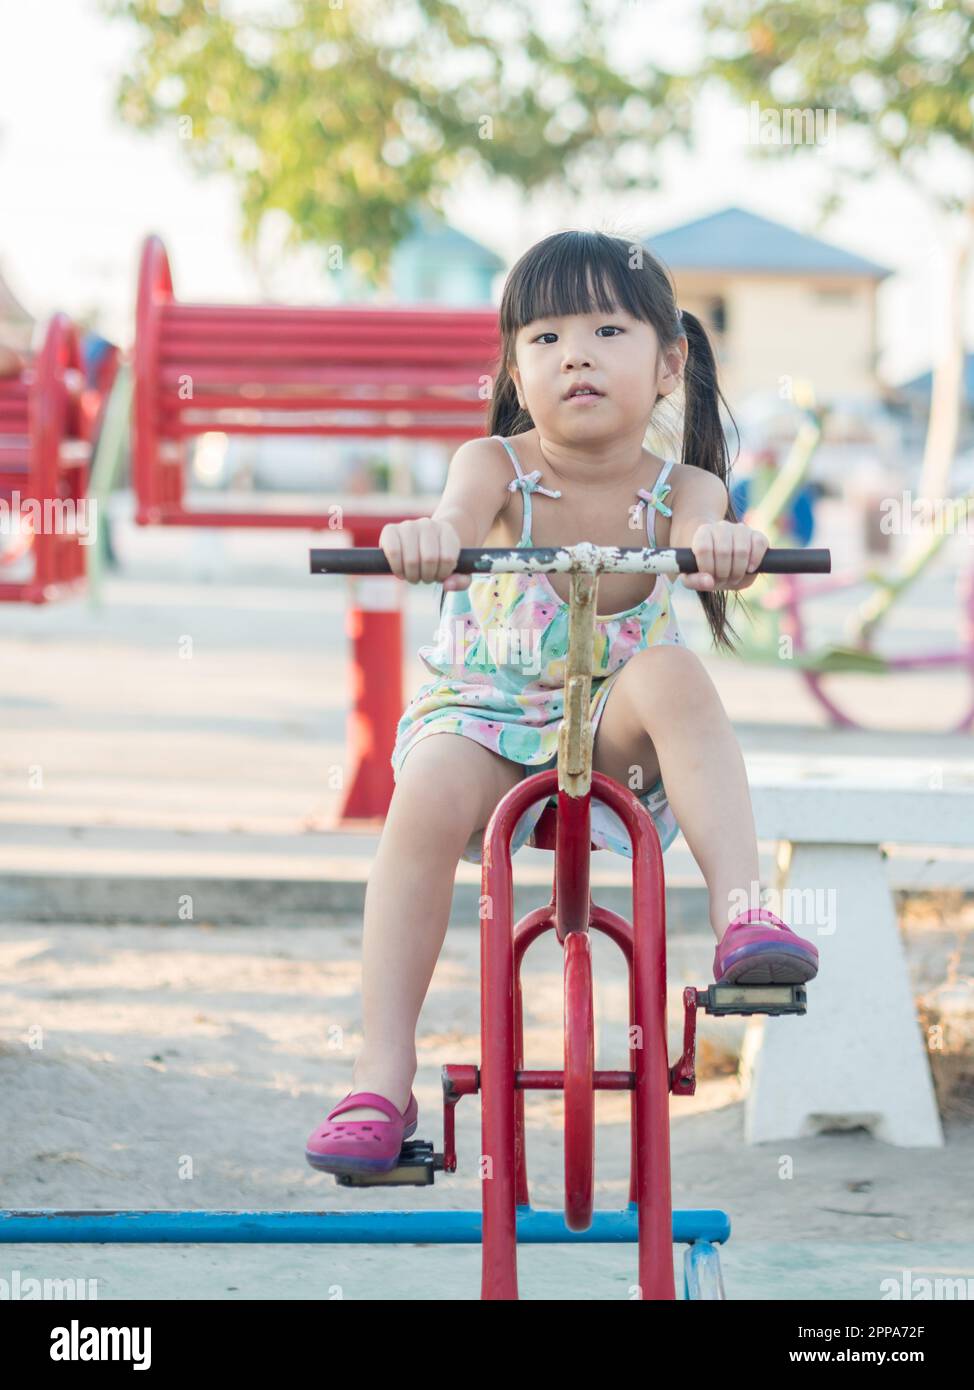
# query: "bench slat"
435, 318
244, 374
214, 399
338, 350
415, 429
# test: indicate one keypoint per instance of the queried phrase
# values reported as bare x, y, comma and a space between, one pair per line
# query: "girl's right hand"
423, 552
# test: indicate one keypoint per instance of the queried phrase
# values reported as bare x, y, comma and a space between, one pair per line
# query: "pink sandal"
357, 1146
763, 955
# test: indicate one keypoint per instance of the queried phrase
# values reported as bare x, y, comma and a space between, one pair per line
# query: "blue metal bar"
54, 1225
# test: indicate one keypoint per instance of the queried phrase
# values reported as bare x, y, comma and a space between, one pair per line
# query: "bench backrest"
276, 369
44, 456
420, 373
40, 413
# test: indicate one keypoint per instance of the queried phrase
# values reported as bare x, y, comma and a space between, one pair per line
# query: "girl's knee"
666, 673
680, 663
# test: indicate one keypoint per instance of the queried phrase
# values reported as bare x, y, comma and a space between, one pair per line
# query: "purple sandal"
763, 955
357, 1146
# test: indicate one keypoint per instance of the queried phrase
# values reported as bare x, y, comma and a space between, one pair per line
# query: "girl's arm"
475, 492
727, 552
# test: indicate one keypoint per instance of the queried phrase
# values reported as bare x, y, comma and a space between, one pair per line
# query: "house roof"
431, 233
736, 239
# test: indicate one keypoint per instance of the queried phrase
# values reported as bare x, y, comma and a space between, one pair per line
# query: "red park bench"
342, 371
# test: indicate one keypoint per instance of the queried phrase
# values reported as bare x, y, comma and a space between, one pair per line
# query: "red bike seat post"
573, 898
572, 851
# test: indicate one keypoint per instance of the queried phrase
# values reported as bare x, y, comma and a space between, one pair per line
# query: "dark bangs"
582, 272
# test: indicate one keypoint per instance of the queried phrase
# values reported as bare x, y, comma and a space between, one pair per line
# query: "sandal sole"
770, 968
338, 1163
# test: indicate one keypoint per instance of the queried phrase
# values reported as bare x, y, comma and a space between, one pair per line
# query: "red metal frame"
502, 1077
579, 1087
44, 456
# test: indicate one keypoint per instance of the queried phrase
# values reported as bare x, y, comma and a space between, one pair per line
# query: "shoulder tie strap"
531, 482
654, 499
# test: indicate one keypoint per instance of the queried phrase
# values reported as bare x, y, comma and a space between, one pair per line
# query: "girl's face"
613, 352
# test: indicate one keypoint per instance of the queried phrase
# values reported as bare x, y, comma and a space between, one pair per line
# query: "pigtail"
505, 415
705, 446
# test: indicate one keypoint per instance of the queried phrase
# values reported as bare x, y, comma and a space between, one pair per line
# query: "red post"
374, 623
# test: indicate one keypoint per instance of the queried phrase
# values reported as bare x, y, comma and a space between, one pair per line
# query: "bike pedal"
415, 1167
753, 999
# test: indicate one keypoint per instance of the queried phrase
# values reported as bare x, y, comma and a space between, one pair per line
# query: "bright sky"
78, 191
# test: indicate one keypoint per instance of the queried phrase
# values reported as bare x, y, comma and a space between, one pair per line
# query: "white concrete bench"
859, 1056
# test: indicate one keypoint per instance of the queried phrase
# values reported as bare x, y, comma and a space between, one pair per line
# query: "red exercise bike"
501, 1079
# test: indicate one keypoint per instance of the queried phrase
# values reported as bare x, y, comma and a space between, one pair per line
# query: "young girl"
592, 342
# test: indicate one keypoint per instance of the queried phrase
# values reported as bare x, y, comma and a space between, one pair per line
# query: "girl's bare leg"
447, 788
665, 716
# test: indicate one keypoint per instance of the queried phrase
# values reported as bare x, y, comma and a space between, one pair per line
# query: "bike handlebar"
581, 558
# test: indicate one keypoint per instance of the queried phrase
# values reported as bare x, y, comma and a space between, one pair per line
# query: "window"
833, 299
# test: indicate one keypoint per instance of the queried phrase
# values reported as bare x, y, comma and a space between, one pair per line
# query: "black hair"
579, 272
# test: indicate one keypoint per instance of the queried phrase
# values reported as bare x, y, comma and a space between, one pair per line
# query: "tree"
343, 114
901, 73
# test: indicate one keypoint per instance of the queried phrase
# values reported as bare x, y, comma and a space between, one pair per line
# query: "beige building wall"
818, 328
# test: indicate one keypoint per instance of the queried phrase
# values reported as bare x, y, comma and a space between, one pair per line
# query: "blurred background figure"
758, 470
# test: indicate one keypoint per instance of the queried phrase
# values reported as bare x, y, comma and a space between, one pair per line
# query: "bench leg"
858, 1056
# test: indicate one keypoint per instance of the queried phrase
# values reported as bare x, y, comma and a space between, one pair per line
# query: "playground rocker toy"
502, 1079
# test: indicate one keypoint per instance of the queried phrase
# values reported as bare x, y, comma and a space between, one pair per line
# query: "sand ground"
183, 1068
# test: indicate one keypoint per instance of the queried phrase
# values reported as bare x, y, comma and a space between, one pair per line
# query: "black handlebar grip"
372, 559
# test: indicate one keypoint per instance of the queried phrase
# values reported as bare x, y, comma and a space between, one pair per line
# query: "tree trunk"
946, 394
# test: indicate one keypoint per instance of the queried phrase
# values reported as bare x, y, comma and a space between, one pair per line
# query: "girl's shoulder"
503, 450
477, 485
672, 470
687, 481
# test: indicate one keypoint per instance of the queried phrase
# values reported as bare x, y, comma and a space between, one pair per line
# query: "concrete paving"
190, 734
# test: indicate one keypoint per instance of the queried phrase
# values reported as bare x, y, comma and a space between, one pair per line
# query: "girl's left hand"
727, 553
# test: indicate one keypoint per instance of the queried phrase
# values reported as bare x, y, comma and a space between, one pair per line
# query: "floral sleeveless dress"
499, 657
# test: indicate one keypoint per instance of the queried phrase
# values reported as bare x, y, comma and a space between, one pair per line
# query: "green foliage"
345, 114
900, 70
